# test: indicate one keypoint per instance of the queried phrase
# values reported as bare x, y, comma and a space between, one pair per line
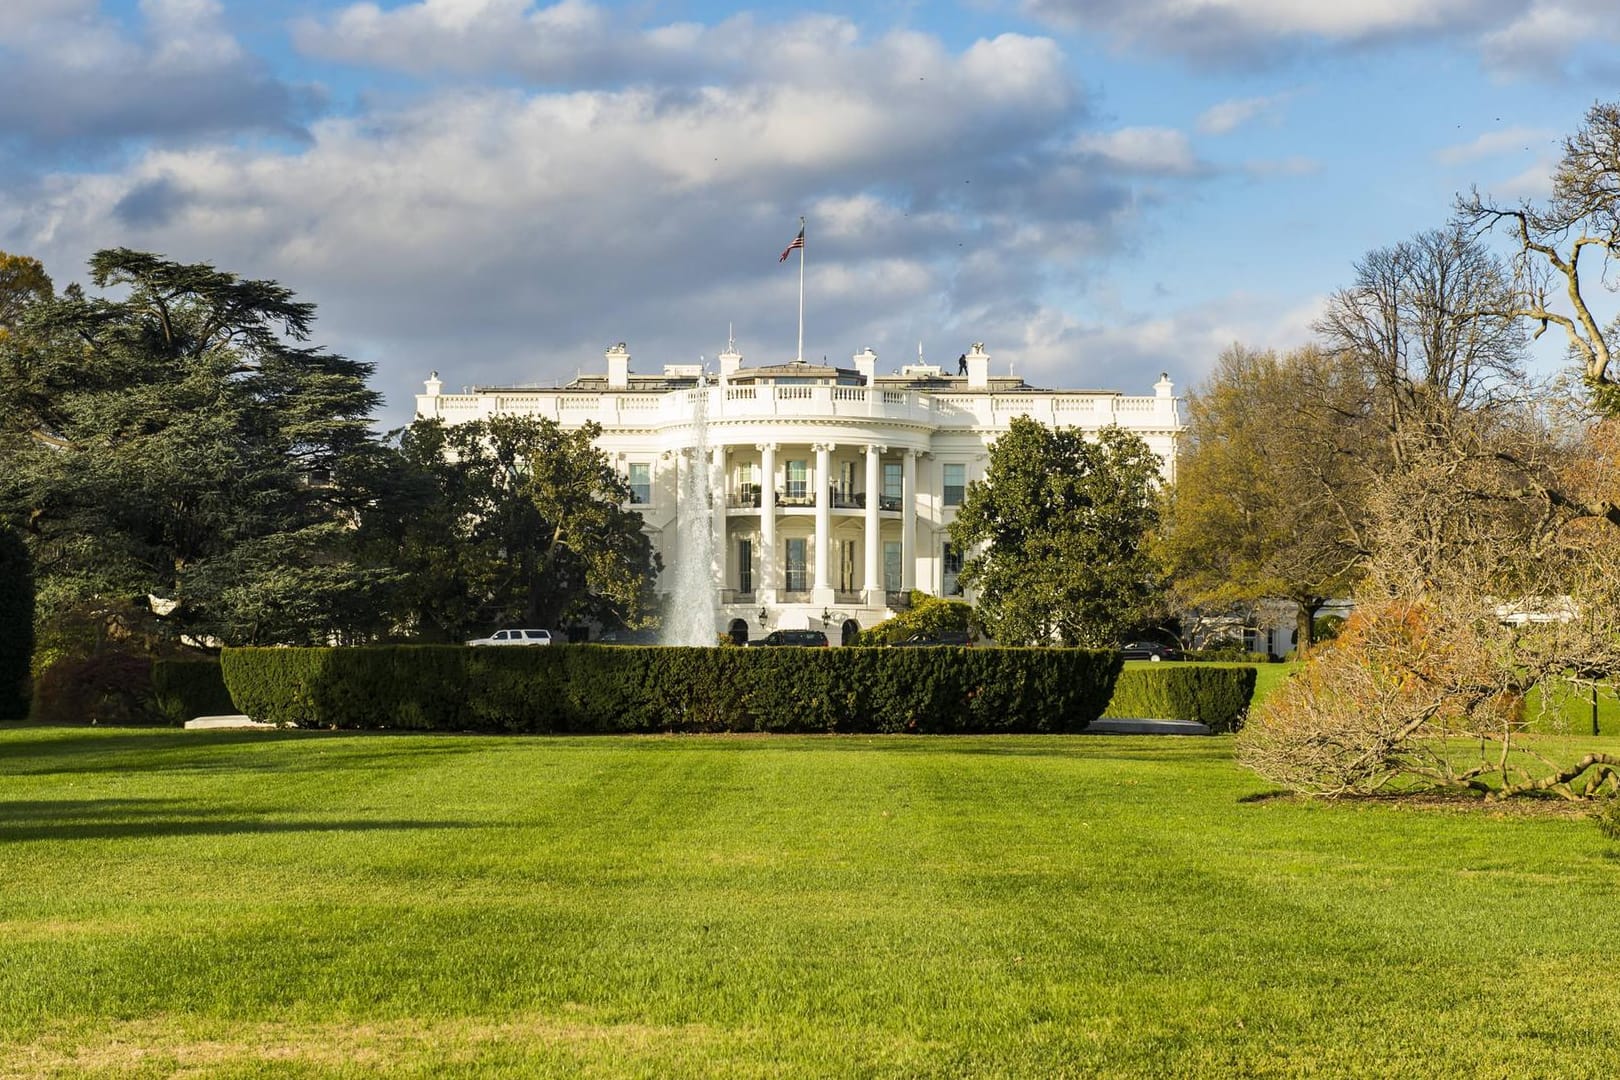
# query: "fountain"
690, 617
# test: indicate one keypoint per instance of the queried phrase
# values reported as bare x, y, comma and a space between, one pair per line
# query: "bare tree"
1478, 589
1559, 241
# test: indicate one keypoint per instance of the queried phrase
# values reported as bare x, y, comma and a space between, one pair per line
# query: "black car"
812, 638
1149, 650
961, 639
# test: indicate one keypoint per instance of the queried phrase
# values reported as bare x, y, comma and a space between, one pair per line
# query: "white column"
821, 588
717, 490
873, 579
908, 524
767, 523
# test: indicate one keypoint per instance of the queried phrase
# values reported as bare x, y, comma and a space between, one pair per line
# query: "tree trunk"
1305, 624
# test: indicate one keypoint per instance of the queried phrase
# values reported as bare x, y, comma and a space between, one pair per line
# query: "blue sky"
1099, 190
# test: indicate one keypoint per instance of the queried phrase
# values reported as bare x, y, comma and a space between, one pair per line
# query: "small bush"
1217, 697
1609, 816
111, 687
588, 688
928, 615
1228, 655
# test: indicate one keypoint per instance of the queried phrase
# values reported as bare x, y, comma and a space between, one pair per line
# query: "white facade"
836, 484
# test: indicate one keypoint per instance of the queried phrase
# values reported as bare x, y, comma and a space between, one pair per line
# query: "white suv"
515, 637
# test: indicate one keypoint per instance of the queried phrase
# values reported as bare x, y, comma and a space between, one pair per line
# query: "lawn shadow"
172, 749
129, 819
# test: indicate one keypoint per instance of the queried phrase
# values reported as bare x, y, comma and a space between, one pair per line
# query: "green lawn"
312, 904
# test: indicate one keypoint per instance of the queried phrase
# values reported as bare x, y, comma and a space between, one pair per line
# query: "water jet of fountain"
690, 618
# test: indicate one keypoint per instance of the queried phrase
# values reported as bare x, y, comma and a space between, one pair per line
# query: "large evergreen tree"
176, 452
1060, 525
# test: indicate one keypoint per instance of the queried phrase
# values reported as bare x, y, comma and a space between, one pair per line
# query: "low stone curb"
1116, 726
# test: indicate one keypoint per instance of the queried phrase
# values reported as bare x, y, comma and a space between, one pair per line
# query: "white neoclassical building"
832, 486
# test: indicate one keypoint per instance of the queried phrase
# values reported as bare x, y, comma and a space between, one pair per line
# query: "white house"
835, 485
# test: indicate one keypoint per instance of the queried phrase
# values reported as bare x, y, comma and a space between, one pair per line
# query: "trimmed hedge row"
1216, 696
588, 688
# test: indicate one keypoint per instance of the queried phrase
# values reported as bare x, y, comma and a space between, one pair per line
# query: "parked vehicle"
812, 638
515, 637
628, 637
960, 639
1149, 650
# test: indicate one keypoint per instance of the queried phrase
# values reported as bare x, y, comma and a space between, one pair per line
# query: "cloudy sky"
498, 189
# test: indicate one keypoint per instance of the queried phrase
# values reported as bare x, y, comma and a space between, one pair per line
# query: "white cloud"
1227, 116
1514, 37
1489, 144
1143, 149
506, 235
70, 73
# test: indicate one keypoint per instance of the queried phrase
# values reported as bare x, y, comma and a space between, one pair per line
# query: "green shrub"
16, 624
186, 689
588, 688
1235, 654
109, 687
1215, 696
930, 615
1609, 816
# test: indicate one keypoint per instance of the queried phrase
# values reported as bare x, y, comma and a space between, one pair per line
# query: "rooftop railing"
723, 404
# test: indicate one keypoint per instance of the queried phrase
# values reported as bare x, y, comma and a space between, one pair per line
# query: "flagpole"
800, 356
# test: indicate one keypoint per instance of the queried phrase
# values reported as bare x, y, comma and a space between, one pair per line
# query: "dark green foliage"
1060, 525
930, 615
1216, 696
512, 520
179, 454
587, 688
16, 624
110, 687
186, 689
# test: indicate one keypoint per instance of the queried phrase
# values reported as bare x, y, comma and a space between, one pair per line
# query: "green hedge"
588, 688
186, 689
16, 624
1216, 696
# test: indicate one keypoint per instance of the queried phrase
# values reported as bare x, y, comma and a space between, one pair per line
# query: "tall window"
951, 561
846, 566
745, 566
891, 566
640, 482
797, 578
955, 484
846, 479
893, 486
798, 479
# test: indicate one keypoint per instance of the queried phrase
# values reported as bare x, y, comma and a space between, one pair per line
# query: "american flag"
798, 242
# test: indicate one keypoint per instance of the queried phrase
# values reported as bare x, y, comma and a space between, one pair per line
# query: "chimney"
978, 367
866, 364
730, 361
618, 361
427, 405
1164, 387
